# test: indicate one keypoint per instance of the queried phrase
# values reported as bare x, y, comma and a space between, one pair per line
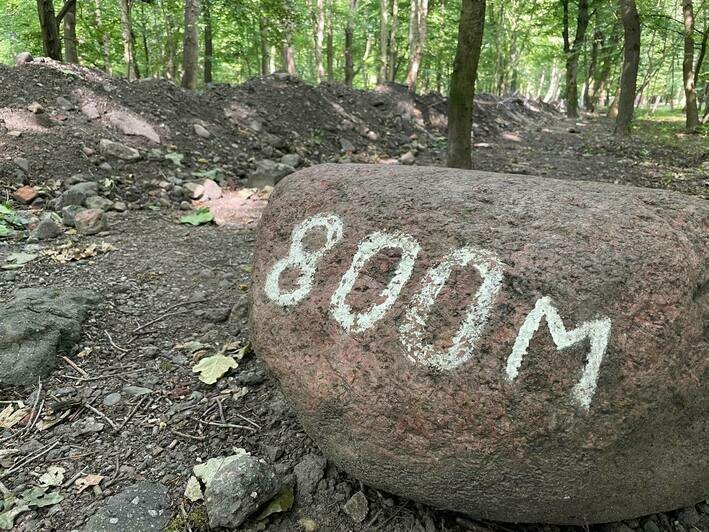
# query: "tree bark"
208, 41
383, 41
263, 44
288, 54
190, 45
50, 32
128, 44
690, 93
631, 61
319, 34
462, 91
554, 85
417, 39
330, 53
70, 41
572, 52
589, 95
393, 48
105, 39
349, 44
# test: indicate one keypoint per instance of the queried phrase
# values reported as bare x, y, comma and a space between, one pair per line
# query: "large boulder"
37, 326
516, 348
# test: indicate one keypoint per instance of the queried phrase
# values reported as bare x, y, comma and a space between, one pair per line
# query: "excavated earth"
163, 284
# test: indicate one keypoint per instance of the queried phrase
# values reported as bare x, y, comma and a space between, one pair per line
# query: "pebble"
201, 131
309, 471
112, 399
135, 391
357, 507
47, 229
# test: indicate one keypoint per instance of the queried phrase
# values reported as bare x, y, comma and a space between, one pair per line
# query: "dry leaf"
9, 417
53, 477
87, 481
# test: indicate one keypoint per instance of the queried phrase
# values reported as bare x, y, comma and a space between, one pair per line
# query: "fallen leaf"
18, 260
53, 477
214, 367
175, 157
199, 217
9, 417
87, 481
7, 518
37, 497
280, 503
193, 490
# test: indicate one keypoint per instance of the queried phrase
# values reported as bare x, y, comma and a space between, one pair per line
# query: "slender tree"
70, 41
383, 41
690, 93
263, 43
417, 38
349, 43
208, 40
462, 89
319, 35
393, 48
190, 47
105, 39
572, 52
128, 40
631, 62
50, 31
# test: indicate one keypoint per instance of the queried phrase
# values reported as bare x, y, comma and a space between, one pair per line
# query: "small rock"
69, 214
292, 159
36, 108
650, 526
357, 507
91, 111
47, 229
195, 190
105, 166
308, 524
688, 516
236, 486
118, 150
212, 190
347, 145
22, 58
309, 471
185, 206
90, 222
268, 173
25, 194
85, 426
371, 135
136, 391
14, 133
255, 125
112, 399
65, 104
23, 164
88, 151
119, 206
76, 194
201, 131
98, 202
142, 507
408, 158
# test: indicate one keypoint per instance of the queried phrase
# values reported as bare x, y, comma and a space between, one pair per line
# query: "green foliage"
199, 217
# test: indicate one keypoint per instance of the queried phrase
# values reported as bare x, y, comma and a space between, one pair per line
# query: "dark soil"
166, 284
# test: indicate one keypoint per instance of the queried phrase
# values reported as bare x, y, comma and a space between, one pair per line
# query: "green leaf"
280, 503
213, 368
199, 217
208, 174
4, 229
17, 260
37, 497
7, 518
175, 157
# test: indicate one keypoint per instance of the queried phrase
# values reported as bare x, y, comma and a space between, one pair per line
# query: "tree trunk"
208, 41
70, 42
50, 32
383, 41
554, 85
462, 91
688, 77
572, 54
393, 48
349, 43
263, 44
330, 54
190, 45
319, 34
417, 39
288, 54
105, 39
589, 95
631, 61
128, 45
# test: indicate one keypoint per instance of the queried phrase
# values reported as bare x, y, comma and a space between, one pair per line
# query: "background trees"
570, 51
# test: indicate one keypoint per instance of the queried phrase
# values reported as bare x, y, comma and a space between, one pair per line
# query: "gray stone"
408, 158
119, 206
239, 487
23, 164
357, 507
211, 189
119, 151
37, 325
142, 507
105, 166
98, 202
309, 471
269, 173
195, 190
65, 104
136, 391
688, 516
346, 145
86, 426
69, 214
133, 125
292, 159
77, 194
22, 58
90, 222
112, 399
202, 131
47, 229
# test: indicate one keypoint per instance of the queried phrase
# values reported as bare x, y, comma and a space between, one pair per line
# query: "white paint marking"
305, 260
368, 248
412, 329
597, 331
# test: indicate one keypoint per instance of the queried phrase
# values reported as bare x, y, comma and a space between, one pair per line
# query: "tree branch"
64, 10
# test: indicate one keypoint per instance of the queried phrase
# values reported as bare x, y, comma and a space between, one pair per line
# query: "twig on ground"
104, 416
188, 436
132, 413
29, 460
225, 425
74, 366
249, 421
124, 350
